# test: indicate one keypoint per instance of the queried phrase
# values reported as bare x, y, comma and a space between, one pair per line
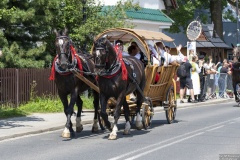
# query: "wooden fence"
17, 85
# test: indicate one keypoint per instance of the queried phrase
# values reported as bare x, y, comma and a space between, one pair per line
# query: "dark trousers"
201, 96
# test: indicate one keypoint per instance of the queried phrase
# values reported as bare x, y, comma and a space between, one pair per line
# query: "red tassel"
124, 69
79, 63
52, 75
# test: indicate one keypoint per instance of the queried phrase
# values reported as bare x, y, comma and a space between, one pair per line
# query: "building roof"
205, 39
230, 33
211, 40
149, 15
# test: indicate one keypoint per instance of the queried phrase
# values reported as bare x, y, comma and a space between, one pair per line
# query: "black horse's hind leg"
79, 103
103, 113
126, 110
96, 113
235, 91
126, 114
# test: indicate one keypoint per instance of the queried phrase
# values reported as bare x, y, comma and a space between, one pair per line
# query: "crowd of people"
206, 76
201, 70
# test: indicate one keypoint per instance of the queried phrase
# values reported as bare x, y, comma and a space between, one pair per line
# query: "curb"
203, 103
40, 131
84, 122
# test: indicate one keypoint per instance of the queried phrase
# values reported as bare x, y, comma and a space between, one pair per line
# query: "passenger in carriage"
160, 49
133, 51
154, 55
142, 58
166, 57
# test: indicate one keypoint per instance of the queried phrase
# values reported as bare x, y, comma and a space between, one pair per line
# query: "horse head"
104, 54
62, 44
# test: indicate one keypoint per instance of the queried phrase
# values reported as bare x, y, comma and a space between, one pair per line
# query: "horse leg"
235, 91
79, 126
69, 114
104, 115
139, 124
96, 107
126, 115
113, 134
63, 97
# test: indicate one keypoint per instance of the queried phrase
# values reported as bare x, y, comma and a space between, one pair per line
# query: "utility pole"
237, 19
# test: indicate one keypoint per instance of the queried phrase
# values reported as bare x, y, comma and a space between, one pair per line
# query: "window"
229, 55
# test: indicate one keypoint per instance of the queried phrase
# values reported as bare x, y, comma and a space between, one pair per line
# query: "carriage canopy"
141, 37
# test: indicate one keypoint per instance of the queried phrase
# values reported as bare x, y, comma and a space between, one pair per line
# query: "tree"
26, 27
189, 10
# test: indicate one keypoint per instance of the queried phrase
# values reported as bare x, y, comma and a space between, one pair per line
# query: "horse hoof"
112, 137
139, 126
66, 135
79, 129
94, 129
126, 132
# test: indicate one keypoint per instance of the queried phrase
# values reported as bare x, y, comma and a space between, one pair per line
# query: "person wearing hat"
186, 82
202, 75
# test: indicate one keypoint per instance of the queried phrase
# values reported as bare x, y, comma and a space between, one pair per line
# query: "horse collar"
111, 72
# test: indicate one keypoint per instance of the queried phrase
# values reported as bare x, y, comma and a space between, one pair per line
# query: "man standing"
186, 81
202, 74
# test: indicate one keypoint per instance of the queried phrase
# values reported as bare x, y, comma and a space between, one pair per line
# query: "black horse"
118, 77
68, 84
236, 71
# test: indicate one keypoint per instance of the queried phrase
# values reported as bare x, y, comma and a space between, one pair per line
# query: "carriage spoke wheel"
147, 113
172, 106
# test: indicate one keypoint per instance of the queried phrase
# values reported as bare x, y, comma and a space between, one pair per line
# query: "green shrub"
45, 104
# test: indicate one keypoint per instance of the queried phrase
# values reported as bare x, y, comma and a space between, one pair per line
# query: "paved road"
200, 132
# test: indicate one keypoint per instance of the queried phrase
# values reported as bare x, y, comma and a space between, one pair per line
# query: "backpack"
181, 71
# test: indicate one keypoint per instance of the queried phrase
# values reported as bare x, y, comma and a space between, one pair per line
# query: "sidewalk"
38, 123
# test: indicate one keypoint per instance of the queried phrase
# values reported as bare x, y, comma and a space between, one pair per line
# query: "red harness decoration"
52, 75
124, 69
79, 63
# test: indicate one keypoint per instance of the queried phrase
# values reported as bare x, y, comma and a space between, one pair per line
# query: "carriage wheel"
171, 109
147, 113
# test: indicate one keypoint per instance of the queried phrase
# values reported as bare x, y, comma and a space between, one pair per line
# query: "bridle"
61, 47
98, 56
113, 68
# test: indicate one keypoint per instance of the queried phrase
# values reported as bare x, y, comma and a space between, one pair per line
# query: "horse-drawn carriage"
118, 76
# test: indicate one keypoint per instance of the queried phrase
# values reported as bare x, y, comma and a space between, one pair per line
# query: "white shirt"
138, 56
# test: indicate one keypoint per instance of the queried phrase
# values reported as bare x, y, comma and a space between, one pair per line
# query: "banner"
191, 46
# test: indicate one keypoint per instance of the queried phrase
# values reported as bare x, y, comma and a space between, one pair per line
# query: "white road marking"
171, 139
158, 148
215, 128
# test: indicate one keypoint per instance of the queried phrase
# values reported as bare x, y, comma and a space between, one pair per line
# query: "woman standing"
195, 78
